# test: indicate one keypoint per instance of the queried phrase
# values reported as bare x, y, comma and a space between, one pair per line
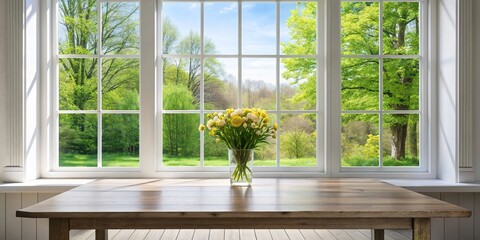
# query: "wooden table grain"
268, 204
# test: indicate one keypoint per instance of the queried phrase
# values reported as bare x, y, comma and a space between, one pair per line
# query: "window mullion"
202, 80
99, 84
380, 84
277, 65
240, 52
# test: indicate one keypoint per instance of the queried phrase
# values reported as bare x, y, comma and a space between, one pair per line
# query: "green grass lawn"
118, 160
387, 161
90, 160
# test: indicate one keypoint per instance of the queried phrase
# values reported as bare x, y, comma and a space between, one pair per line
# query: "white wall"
476, 87
446, 86
3, 88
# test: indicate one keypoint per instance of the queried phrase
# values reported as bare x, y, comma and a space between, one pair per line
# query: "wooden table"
269, 204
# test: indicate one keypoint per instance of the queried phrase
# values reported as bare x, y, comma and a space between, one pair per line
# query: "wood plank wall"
13, 228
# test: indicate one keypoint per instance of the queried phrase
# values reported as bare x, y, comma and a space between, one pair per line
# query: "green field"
116, 160
387, 161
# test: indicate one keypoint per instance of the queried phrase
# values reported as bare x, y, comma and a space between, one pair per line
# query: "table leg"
101, 234
378, 234
59, 229
421, 229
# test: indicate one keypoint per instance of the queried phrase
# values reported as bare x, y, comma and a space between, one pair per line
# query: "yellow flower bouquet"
242, 130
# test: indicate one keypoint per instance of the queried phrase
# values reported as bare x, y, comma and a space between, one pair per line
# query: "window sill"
434, 185
62, 185
43, 186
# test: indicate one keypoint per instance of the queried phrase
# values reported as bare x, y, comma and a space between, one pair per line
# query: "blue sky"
221, 26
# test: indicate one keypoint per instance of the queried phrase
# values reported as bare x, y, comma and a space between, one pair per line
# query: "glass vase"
241, 165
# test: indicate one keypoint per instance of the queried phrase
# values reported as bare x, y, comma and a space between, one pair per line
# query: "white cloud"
194, 5
233, 6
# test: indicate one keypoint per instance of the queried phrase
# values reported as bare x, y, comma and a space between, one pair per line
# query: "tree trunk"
412, 139
399, 137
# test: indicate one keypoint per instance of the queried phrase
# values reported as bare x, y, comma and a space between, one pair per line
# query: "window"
281, 56
218, 55
98, 54
381, 83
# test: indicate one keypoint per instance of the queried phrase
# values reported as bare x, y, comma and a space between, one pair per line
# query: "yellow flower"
229, 110
209, 116
212, 133
275, 127
245, 125
210, 124
201, 127
217, 140
266, 120
220, 123
215, 114
236, 121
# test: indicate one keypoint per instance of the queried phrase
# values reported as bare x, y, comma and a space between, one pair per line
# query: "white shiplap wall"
13, 228
3, 87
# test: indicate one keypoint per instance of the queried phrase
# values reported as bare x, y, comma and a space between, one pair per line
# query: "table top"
267, 198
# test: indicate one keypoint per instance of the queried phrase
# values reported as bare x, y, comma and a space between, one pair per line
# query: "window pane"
181, 140
359, 28
120, 140
259, 28
121, 28
298, 25
401, 28
216, 153
120, 84
221, 28
360, 84
181, 83
401, 135
360, 140
266, 154
221, 83
401, 84
259, 83
77, 140
298, 140
181, 28
77, 27
77, 83
298, 83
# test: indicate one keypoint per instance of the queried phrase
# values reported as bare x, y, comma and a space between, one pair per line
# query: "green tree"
360, 35
78, 28
180, 137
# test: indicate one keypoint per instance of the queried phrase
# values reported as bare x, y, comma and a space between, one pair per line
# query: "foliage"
360, 76
79, 78
297, 144
179, 129
370, 150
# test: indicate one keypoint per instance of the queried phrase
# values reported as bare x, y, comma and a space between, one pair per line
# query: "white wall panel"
4, 145
466, 225
476, 216
13, 224
29, 225
476, 89
451, 224
2, 216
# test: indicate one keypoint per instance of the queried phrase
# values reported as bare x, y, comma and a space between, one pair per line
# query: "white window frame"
327, 109
426, 103
319, 128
